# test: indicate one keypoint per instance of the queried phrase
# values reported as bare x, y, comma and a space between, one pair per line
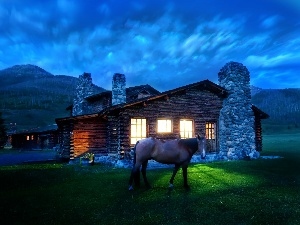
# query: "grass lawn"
263, 191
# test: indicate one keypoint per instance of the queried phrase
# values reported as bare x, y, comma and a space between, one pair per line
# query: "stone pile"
84, 89
118, 89
236, 125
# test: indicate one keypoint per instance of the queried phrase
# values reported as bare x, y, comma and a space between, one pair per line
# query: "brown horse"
178, 152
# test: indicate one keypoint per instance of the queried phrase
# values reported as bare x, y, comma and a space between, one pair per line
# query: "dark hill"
32, 97
19, 73
283, 105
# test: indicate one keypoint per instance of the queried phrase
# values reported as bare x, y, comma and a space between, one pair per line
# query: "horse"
178, 152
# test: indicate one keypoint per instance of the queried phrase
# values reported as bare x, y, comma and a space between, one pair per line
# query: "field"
263, 191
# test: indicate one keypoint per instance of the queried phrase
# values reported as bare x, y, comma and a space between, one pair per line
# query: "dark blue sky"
166, 44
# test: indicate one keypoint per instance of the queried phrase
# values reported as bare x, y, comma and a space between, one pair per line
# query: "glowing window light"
186, 129
210, 129
164, 126
138, 130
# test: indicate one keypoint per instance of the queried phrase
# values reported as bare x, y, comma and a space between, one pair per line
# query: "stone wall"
118, 89
84, 89
236, 122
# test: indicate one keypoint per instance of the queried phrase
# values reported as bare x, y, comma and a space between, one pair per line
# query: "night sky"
166, 44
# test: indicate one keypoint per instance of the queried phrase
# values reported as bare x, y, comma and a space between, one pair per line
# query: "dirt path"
14, 157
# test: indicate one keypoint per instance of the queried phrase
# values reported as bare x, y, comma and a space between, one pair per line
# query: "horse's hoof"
130, 188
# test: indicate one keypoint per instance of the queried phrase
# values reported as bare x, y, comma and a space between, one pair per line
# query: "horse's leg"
135, 176
184, 173
137, 180
144, 167
175, 170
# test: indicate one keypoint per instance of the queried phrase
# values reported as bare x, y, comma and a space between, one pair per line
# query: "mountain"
283, 105
255, 90
31, 97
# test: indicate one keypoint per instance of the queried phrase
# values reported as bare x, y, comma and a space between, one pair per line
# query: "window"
164, 126
186, 129
29, 137
210, 130
138, 130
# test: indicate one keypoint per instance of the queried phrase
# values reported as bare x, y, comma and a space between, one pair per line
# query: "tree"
3, 136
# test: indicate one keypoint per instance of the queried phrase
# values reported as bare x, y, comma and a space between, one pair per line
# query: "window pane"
186, 129
133, 121
164, 126
210, 130
169, 128
138, 130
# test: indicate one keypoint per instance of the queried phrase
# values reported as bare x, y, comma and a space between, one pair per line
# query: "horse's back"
167, 152
144, 148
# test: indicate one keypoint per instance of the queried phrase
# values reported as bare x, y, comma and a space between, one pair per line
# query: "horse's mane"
191, 143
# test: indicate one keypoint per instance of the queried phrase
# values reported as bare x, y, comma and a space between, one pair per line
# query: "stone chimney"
84, 89
118, 89
236, 122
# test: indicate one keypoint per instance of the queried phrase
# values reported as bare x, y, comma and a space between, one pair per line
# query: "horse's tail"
137, 173
134, 153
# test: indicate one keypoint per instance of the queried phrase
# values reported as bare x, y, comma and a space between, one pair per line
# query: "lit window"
27, 138
210, 130
186, 129
138, 130
164, 126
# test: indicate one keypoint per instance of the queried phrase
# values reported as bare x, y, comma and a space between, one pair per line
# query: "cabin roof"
44, 129
155, 94
206, 84
131, 94
133, 91
259, 112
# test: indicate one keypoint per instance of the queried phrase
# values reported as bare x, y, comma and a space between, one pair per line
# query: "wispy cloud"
270, 22
163, 45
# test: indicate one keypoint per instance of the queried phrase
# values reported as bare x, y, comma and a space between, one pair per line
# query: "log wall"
198, 105
112, 134
90, 135
258, 133
65, 131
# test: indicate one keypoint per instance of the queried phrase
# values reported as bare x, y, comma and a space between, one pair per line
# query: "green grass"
262, 191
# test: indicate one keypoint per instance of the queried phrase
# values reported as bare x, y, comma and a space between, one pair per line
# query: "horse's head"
202, 146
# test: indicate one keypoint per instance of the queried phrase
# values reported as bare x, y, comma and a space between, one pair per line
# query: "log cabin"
40, 138
111, 122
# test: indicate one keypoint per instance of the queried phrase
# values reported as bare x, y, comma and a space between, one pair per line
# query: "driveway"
14, 157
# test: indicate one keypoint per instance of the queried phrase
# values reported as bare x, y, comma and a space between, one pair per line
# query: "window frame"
210, 130
192, 128
167, 131
143, 130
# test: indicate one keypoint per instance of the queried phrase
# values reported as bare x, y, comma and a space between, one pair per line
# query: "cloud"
274, 78
266, 61
67, 7
270, 22
165, 45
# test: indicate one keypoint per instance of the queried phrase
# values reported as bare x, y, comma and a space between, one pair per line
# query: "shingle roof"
206, 84
259, 112
131, 93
